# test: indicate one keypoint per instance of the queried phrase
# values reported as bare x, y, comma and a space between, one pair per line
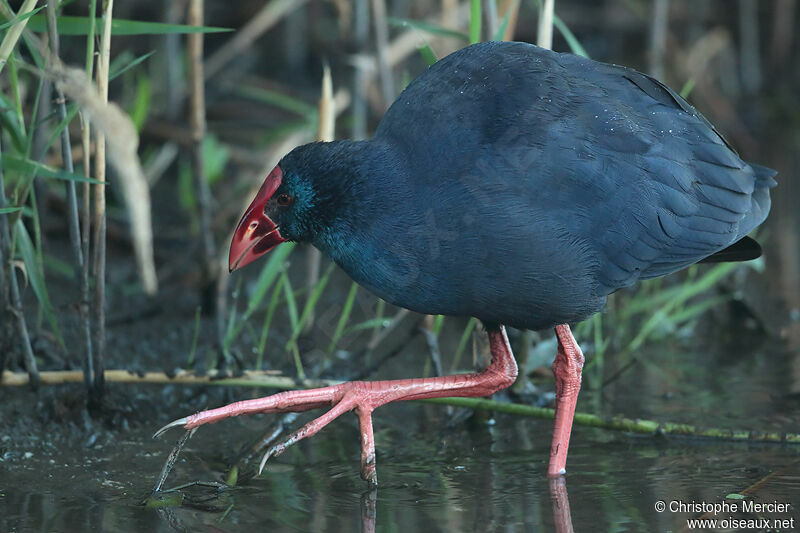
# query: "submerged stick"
171, 458
274, 380
619, 423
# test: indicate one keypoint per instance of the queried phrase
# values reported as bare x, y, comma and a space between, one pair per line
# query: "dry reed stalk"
269, 15
382, 43
14, 32
325, 132
658, 38
86, 194
544, 37
79, 258
502, 8
103, 60
274, 380
198, 125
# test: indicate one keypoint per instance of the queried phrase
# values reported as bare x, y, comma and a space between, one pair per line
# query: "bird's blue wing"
689, 193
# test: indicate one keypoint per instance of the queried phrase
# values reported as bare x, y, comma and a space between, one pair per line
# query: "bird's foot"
350, 396
363, 397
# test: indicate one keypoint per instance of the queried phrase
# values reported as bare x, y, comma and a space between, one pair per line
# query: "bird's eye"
284, 199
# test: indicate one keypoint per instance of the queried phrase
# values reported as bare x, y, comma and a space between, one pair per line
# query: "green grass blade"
427, 27
298, 363
277, 99
695, 310
20, 18
678, 294
215, 157
308, 126
380, 307
291, 303
462, 342
23, 165
593, 369
475, 21
81, 26
343, 317
311, 303
141, 104
56, 132
272, 269
686, 90
36, 278
708, 280
90, 34
438, 322
367, 324
8, 122
6, 210
14, 81
195, 337
501, 29
262, 343
427, 53
57, 267
34, 113
572, 41
233, 323
119, 71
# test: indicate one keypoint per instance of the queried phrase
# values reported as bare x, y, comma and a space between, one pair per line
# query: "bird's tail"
745, 248
765, 176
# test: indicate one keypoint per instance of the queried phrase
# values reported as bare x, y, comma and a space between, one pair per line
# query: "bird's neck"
366, 182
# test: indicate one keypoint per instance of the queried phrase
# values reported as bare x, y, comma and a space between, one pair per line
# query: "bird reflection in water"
560, 500
562, 519
368, 510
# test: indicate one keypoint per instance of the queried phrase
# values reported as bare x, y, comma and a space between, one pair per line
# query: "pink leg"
363, 397
567, 369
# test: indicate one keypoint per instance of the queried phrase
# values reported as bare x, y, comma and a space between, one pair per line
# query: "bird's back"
539, 182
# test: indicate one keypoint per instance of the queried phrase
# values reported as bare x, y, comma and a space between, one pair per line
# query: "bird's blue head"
297, 200
283, 210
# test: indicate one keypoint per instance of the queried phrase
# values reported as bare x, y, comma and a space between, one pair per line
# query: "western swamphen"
512, 184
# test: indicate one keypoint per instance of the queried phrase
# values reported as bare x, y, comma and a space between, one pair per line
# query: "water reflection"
479, 480
472, 476
560, 500
558, 496
444, 517
368, 510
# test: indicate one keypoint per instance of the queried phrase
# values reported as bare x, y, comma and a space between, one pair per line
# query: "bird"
513, 184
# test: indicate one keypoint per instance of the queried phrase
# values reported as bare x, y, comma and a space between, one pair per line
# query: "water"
471, 476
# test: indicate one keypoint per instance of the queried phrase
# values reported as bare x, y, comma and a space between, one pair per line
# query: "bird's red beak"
256, 234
